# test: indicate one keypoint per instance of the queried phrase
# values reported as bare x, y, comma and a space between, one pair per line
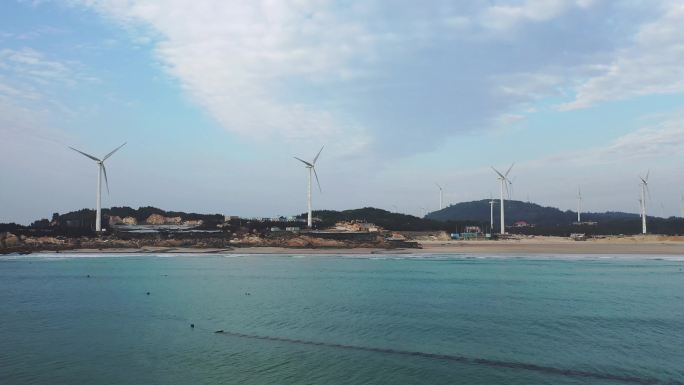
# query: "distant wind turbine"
682, 205
579, 204
491, 213
511, 191
101, 171
311, 166
441, 196
644, 192
503, 178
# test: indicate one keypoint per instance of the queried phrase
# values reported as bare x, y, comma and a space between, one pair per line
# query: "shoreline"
514, 247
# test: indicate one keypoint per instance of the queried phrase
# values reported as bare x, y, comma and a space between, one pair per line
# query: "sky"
215, 98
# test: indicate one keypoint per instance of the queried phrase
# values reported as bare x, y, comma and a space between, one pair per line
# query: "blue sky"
215, 97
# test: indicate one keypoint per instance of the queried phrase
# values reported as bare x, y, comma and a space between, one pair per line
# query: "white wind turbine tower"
682, 206
441, 196
503, 178
311, 166
579, 204
101, 170
491, 213
644, 191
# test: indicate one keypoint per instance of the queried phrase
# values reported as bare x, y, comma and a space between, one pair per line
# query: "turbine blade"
317, 155
303, 161
113, 151
317, 182
438, 186
509, 169
104, 171
647, 172
83, 153
497, 171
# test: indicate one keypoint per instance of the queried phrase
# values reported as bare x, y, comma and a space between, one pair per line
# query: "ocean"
291, 319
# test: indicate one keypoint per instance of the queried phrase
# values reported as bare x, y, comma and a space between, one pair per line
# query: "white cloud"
29, 64
505, 17
239, 59
663, 140
258, 66
652, 65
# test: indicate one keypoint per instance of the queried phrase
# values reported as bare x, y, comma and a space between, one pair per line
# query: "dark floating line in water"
465, 360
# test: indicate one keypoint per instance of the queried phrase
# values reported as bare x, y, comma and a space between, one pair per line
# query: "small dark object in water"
88, 275
219, 331
192, 326
248, 294
148, 293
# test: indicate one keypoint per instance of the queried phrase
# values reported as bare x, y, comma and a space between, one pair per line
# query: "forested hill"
521, 211
385, 219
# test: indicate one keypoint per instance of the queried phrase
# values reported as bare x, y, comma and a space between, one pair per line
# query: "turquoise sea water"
341, 320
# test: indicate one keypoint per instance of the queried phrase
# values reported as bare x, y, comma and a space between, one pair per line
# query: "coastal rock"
157, 219
130, 221
115, 220
9, 240
357, 226
174, 220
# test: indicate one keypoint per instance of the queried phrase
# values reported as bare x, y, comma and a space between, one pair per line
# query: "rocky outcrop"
357, 226
130, 221
9, 240
26, 244
115, 220
157, 219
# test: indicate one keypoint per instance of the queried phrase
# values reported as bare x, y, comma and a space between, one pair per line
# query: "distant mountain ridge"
532, 213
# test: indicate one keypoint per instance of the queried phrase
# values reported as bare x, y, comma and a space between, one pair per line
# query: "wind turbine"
682, 205
503, 178
311, 166
579, 204
511, 191
424, 211
441, 196
644, 191
491, 213
101, 170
